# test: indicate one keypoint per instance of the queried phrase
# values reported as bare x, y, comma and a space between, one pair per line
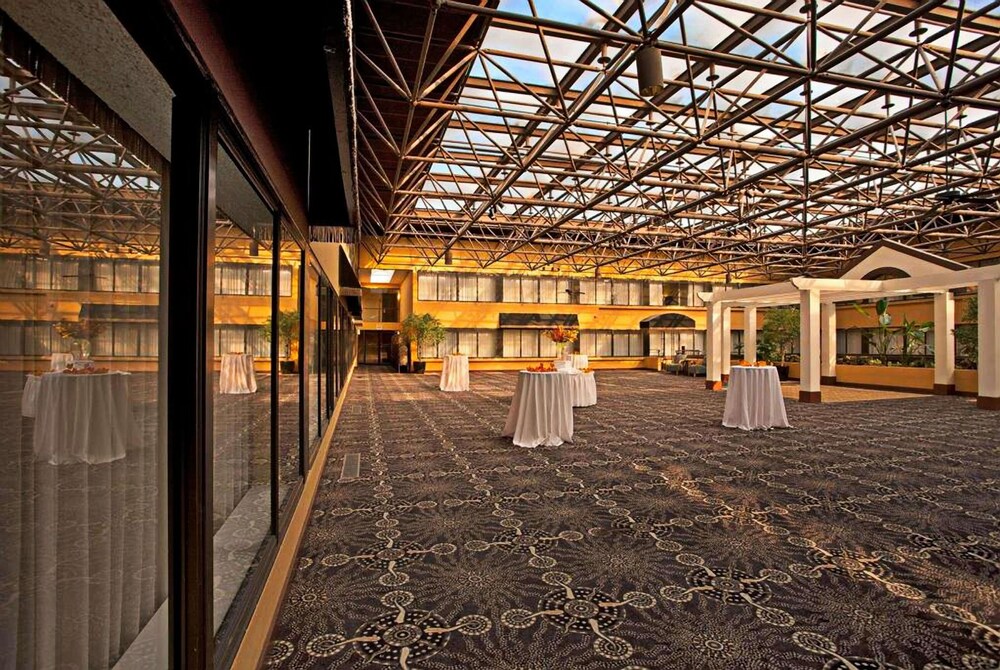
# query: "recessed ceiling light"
381, 276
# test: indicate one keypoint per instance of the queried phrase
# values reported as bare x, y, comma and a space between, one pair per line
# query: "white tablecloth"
79, 418
583, 388
754, 400
455, 373
541, 411
60, 361
576, 361
237, 374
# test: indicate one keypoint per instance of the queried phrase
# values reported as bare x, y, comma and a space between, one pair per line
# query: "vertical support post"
713, 345
989, 345
809, 377
750, 334
190, 270
828, 343
727, 343
944, 343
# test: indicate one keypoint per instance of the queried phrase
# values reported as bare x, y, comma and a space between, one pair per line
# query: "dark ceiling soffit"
339, 50
668, 320
515, 320
349, 284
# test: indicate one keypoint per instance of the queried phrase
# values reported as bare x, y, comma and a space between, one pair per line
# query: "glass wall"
242, 383
289, 323
83, 532
313, 394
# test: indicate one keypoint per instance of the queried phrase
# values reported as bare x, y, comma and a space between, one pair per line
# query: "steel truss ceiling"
788, 134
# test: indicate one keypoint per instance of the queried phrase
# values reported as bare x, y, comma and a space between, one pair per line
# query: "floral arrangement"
84, 329
586, 370
86, 371
763, 364
561, 335
541, 367
749, 364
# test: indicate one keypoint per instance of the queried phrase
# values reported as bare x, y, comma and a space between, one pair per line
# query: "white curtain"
82, 566
487, 288
467, 288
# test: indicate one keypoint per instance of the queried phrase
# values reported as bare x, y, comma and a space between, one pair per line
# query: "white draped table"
541, 412
79, 418
237, 374
454, 373
754, 399
583, 388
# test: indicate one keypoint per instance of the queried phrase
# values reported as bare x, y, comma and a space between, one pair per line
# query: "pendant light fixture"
649, 63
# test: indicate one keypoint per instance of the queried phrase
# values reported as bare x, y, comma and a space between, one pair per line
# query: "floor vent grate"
351, 468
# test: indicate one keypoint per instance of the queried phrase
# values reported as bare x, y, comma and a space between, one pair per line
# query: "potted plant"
288, 339
967, 335
419, 329
779, 334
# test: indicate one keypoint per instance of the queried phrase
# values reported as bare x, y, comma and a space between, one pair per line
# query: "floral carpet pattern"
867, 537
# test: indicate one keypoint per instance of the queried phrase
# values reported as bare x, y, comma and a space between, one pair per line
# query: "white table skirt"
61, 361
754, 399
454, 373
237, 374
79, 418
541, 411
583, 387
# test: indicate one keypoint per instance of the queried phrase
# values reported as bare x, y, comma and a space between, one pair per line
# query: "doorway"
377, 348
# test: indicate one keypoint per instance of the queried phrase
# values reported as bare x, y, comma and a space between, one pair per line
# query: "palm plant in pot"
419, 329
288, 339
778, 335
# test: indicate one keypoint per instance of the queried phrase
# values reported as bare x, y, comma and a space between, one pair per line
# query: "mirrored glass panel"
289, 388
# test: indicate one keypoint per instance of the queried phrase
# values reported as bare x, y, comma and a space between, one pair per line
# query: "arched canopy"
667, 320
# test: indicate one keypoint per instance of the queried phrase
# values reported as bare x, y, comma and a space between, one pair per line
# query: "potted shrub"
967, 335
419, 329
288, 339
778, 335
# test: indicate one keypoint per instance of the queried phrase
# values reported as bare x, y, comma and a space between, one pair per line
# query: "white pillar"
944, 343
713, 346
750, 334
989, 344
809, 383
727, 341
828, 343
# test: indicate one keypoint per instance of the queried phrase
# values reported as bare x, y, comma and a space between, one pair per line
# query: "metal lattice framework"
788, 135
66, 183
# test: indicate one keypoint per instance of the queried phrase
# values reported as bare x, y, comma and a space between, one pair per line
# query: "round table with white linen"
61, 361
79, 418
237, 374
754, 399
541, 411
583, 388
454, 373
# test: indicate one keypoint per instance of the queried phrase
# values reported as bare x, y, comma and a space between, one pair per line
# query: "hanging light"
448, 258
649, 63
254, 248
604, 58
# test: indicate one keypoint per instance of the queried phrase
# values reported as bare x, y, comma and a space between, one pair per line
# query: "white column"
713, 345
727, 341
828, 342
809, 383
944, 343
989, 344
750, 334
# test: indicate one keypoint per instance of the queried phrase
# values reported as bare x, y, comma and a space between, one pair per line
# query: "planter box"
915, 379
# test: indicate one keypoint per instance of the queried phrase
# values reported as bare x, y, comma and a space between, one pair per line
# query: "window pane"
655, 293
603, 344
242, 399
126, 277
619, 293
488, 343
529, 290
467, 285
83, 494
529, 343
487, 289
511, 343
447, 287
427, 287
588, 292
604, 292
511, 289
547, 290
468, 343
564, 288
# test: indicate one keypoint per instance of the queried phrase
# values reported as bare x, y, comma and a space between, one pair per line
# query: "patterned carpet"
867, 537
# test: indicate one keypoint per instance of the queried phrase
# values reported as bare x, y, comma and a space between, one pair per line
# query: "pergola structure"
817, 300
787, 134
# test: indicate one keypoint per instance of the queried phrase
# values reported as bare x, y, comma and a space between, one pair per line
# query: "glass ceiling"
787, 134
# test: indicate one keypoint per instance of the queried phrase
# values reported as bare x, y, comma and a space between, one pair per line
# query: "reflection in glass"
289, 403
242, 383
82, 462
312, 358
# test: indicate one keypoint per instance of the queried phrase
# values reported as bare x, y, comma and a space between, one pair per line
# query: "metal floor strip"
351, 468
